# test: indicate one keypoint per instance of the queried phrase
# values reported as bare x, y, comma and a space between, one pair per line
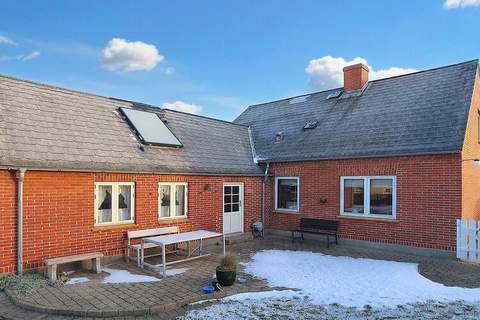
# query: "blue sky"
217, 57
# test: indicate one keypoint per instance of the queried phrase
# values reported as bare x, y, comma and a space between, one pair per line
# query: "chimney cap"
356, 66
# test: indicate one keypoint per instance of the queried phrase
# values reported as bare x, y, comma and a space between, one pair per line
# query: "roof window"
279, 137
149, 128
298, 99
310, 125
334, 94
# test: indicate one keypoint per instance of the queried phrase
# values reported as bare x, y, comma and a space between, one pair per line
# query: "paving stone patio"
171, 296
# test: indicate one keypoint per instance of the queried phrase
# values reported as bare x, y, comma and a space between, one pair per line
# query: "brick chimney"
355, 76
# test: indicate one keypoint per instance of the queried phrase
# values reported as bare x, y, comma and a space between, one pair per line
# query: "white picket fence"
468, 239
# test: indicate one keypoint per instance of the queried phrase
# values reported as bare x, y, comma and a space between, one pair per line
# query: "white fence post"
459, 240
468, 240
472, 240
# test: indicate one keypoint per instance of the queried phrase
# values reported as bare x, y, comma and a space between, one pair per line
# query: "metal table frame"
175, 239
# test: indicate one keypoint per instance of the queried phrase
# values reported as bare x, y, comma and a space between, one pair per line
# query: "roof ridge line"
59, 88
204, 117
297, 96
426, 70
376, 80
145, 105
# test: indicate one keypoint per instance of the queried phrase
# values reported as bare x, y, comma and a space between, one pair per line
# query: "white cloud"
21, 57
453, 4
29, 56
7, 40
183, 106
327, 72
122, 55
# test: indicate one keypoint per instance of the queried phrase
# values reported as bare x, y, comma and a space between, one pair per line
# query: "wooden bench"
138, 234
318, 226
53, 263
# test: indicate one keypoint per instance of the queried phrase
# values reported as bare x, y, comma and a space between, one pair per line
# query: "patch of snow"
274, 294
352, 282
77, 280
172, 272
303, 309
124, 276
261, 295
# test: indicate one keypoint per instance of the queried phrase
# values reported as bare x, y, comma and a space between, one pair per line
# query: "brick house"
90, 177
392, 159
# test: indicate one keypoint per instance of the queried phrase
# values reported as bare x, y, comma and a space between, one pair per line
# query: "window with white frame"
368, 196
172, 200
287, 193
114, 202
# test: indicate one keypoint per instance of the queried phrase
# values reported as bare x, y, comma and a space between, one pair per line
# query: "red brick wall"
59, 212
8, 222
429, 198
471, 150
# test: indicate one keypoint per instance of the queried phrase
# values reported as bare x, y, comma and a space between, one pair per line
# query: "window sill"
170, 220
113, 226
380, 219
286, 211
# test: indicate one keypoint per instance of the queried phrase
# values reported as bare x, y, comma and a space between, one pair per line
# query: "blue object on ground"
208, 289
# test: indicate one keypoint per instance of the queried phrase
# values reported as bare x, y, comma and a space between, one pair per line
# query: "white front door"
232, 208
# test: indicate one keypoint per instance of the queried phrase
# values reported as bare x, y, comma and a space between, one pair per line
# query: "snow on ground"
339, 288
274, 294
124, 276
77, 280
352, 282
303, 309
171, 272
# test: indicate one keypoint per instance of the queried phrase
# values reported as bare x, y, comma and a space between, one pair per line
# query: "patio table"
188, 237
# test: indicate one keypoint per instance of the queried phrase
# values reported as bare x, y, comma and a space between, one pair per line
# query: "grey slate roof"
51, 128
419, 113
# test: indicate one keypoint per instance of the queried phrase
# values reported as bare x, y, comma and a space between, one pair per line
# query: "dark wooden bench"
318, 226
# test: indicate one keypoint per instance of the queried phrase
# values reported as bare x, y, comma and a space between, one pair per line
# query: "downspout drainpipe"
263, 193
21, 175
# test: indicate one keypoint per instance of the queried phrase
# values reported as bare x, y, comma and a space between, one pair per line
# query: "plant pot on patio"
227, 270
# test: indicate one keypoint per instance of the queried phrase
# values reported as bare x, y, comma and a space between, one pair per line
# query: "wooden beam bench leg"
52, 272
96, 266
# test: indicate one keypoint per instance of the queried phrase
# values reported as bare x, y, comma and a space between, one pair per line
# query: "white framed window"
371, 196
172, 200
287, 194
114, 203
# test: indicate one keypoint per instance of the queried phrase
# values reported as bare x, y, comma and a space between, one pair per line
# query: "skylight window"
310, 125
149, 128
279, 137
334, 94
298, 99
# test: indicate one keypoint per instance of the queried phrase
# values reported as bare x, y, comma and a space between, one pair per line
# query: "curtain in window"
124, 203
105, 200
180, 200
165, 201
